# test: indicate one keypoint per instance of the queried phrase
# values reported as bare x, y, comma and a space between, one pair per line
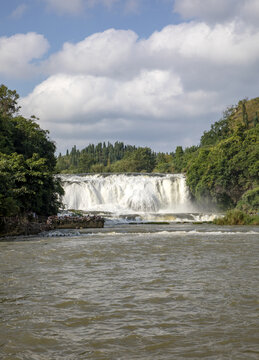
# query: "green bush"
249, 202
237, 217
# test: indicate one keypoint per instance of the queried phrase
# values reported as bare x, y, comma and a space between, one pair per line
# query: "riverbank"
237, 217
33, 225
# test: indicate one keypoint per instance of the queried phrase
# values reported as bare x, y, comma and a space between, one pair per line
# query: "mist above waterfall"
127, 193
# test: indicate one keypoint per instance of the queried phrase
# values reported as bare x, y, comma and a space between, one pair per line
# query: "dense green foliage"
141, 159
237, 217
225, 166
93, 158
27, 163
249, 201
113, 158
224, 172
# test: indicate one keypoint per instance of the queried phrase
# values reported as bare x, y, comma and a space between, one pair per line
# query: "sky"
153, 73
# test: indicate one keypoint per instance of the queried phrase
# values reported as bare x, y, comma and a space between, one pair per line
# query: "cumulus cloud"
212, 10
18, 51
218, 11
206, 57
89, 97
119, 53
100, 54
115, 86
141, 110
217, 44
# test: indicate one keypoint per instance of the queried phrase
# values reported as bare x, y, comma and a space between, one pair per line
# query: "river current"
140, 291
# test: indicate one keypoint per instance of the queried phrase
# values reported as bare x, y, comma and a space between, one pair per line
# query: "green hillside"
224, 169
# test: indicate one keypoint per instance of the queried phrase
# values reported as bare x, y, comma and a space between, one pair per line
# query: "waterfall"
126, 193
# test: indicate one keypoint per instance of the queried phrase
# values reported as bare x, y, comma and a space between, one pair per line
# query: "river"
140, 291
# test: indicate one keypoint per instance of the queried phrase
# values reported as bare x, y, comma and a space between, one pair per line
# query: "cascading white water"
127, 193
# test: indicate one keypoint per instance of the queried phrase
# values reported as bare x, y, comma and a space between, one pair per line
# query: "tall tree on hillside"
8, 101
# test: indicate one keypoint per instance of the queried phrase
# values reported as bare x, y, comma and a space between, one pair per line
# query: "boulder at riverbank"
75, 222
27, 225
22, 225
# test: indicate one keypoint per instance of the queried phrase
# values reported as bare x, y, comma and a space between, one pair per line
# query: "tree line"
118, 157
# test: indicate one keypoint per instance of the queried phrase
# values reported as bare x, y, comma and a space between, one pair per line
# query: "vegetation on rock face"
224, 168
223, 172
249, 201
27, 163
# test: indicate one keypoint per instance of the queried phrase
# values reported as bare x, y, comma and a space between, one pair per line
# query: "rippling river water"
131, 292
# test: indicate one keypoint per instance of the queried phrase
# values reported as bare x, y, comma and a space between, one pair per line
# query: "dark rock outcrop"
75, 222
32, 225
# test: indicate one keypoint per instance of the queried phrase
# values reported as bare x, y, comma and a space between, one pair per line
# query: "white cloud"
206, 10
76, 96
115, 86
19, 11
18, 51
120, 54
218, 11
216, 44
149, 107
101, 53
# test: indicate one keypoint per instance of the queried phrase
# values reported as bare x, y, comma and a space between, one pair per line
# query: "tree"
224, 172
27, 163
85, 162
244, 112
178, 159
219, 131
27, 185
8, 101
141, 160
164, 163
29, 138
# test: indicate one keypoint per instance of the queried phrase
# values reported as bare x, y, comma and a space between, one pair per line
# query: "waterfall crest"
127, 193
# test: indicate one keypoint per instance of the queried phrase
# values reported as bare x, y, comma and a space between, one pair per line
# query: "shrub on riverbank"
237, 217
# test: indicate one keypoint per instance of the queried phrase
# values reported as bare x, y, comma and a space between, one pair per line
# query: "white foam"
57, 233
173, 233
122, 193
